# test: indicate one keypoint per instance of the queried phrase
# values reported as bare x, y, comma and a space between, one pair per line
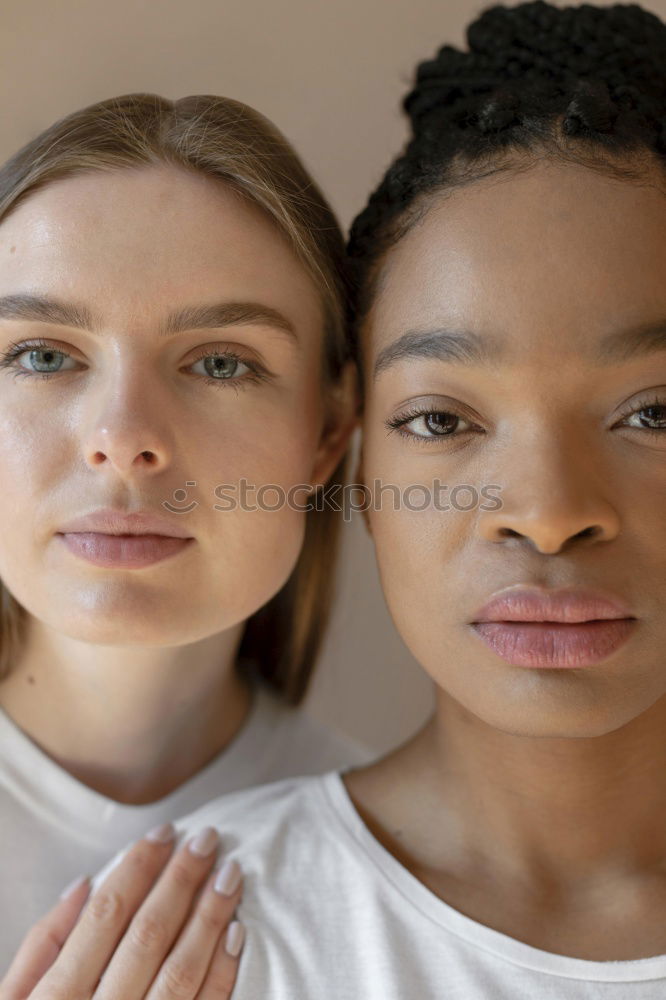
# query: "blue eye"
10, 358
223, 367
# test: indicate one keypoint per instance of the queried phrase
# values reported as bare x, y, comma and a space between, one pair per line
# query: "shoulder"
252, 822
253, 817
303, 876
282, 834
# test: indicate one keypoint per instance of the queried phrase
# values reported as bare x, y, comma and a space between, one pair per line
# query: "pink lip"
123, 551
117, 522
124, 540
572, 627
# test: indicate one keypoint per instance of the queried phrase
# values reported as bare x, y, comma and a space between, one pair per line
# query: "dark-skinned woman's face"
555, 405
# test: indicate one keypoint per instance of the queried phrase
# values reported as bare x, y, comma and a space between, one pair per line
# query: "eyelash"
654, 402
400, 420
8, 361
395, 424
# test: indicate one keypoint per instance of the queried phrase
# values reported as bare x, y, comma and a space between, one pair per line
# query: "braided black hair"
576, 83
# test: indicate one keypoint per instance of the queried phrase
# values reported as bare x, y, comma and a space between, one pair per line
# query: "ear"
342, 419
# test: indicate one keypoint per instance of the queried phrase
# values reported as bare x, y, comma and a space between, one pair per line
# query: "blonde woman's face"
554, 402
134, 415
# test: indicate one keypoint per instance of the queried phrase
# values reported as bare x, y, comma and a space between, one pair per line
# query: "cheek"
263, 449
33, 455
260, 454
644, 500
254, 498
270, 435
256, 544
412, 554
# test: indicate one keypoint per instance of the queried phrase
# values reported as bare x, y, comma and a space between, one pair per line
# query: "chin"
565, 721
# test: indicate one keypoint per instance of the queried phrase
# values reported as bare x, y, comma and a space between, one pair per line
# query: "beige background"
330, 74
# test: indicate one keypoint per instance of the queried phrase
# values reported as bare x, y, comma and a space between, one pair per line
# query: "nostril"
509, 533
589, 532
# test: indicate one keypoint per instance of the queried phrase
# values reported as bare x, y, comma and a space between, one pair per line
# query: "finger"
87, 950
41, 945
160, 919
223, 969
186, 966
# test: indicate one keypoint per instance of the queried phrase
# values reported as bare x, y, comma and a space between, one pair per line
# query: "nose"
552, 499
128, 431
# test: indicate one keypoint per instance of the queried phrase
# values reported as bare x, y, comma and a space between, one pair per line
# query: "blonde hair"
224, 139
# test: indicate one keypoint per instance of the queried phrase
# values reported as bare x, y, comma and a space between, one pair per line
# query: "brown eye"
649, 417
429, 425
441, 423
655, 417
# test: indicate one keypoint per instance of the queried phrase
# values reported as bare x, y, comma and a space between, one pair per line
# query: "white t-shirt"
332, 915
54, 828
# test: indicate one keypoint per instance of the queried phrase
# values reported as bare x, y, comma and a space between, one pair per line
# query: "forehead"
557, 255
151, 232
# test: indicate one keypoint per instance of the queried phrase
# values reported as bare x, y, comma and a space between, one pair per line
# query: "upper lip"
108, 521
532, 604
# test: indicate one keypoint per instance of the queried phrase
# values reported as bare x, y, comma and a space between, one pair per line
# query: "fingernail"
204, 843
161, 834
70, 889
228, 878
235, 938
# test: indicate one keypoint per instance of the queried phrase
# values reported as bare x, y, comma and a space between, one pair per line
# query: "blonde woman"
172, 334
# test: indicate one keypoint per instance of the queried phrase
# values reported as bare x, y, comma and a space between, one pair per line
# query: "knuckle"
221, 979
105, 908
37, 935
141, 859
45, 937
147, 933
40, 931
56, 987
180, 979
182, 875
211, 917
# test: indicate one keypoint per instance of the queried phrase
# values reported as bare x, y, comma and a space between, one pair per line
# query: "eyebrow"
43, 309
464, 347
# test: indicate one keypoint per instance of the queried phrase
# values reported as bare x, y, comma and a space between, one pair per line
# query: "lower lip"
123, 551
555, 644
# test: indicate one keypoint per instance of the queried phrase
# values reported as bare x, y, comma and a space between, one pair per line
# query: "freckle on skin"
12, 249
31, 679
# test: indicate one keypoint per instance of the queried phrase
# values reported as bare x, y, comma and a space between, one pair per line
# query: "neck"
576, 814
132, 723
572, 810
